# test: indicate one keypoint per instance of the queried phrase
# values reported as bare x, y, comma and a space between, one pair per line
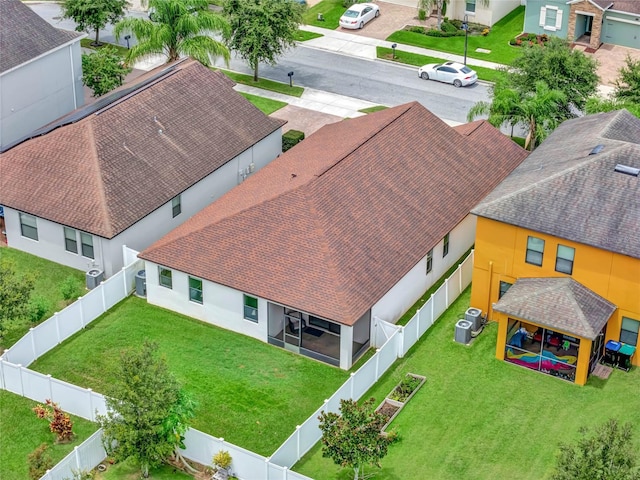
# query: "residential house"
40, 72
587, 22
132, 166
351, 225
557, 259
481, 11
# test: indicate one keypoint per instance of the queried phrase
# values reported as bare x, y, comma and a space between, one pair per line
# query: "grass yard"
129, 470
250, 393
497, 41
373, 109
265, 105
303, 35
331, 11
22, 432
479, 418
87, 43
417, 60
264, 83
48, 277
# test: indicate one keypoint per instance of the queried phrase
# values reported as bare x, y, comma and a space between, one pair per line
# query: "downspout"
73, 78
489, 295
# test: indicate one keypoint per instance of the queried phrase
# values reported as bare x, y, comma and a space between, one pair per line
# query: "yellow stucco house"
557, 259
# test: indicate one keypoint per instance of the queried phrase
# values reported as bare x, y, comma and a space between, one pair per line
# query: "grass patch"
376, 108
481, 418
49, 276
130, 470
264, 84
250, 393
266, 105
87, 43
303, 35
331, 10
23, 432
497, 41
417, 60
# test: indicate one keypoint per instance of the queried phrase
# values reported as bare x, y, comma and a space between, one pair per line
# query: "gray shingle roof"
558, 303
628, 6
24, 35
562, 190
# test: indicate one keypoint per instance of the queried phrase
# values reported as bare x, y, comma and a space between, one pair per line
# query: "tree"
179, 27
535, 111
148, 413
93, 14
628, 82
354, 438
561, 68
261, 30
15, 292
606, 454
103, 70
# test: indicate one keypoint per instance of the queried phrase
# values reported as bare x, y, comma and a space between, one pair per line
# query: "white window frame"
527, 259
563, 259
70, 235
543, 18
429, 261
86, 239
445, 245
162, 274
25, 221
466, 6
250, 312
192, 290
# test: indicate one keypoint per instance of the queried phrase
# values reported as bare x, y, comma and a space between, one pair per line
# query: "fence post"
352, 382
266, 467
2, 374
400, 351
460, 277
21, 382
446, 292
432, 312
57, 321
377, 363
124, 281
297, 442
91, 414
50, 386
104, 300
33, 344
286, 473
77, 454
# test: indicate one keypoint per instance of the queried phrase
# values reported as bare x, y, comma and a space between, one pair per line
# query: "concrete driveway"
611, 58
392, 17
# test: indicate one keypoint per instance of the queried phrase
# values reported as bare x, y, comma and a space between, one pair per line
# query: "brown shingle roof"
24, 35
334, 223
558, 303
562, 190
108, 170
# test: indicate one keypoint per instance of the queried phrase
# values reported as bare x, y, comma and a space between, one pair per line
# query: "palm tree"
536, 111
179, 27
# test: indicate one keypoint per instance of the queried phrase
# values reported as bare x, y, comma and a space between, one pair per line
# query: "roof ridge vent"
627, 170
597, 149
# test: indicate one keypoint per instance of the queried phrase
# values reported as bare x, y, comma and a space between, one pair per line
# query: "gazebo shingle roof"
558, 303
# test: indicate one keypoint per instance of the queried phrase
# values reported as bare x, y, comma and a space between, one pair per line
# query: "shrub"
291, 138
440, 33
532, 37
422, 14
70, 288
448, 27
39, 461
544, 37
417, 29
222, 459
38, 307
59, 422
347, 3
82, 474
513, 41
485, 32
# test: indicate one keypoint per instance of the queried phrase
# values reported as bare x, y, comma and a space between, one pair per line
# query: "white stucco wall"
40, 91
108, 252
413, 285
483, 15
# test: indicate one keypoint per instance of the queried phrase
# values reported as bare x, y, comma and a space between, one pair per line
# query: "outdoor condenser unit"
94, 277
463, 331
474, 315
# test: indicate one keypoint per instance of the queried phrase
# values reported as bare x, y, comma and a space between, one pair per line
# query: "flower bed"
393, 403
529, 39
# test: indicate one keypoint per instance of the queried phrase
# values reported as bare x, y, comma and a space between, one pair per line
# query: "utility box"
474, 315
94, 277
141, 283
463, 332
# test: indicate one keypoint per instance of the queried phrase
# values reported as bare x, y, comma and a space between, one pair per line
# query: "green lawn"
373, 109
266, 105
129, 470
264, 83
497, 41
303, 35
250, 393
331, 10
417, 60
48, 277
480, 418
21, 432
87, 43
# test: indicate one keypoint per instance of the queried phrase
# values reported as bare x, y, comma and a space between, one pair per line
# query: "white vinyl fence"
392, 341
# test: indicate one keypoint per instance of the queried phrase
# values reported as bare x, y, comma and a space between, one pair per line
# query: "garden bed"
393, 403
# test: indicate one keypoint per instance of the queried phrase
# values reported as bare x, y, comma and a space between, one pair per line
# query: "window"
195, 290
176, 206
564, 259
470, 6
70, 240
250, 308
504, 286
164, 277
87, 245
445, 247
28, 226
430, 260
629, 331
535, 249
551, 18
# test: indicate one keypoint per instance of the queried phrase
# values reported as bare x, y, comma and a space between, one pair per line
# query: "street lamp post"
465, 26
393, 48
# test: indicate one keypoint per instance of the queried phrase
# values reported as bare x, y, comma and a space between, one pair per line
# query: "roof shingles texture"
562, 190
110, 169
558, 303
627, 6
334, 223
24, 35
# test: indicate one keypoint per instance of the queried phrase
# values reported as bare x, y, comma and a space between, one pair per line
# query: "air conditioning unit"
463, 332
474, 315
94, 277
141, 283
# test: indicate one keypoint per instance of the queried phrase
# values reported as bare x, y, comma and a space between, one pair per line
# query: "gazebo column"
584, 355
503, 323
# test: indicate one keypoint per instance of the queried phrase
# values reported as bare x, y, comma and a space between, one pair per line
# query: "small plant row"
451, 28
529, 39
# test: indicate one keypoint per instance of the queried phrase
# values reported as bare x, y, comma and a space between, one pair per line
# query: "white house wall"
40, 91
413, 285
483, 15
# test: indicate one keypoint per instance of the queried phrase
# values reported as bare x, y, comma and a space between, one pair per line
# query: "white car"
359, 14
451, 72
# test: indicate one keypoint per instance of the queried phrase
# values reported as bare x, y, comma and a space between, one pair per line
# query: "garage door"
621, 33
